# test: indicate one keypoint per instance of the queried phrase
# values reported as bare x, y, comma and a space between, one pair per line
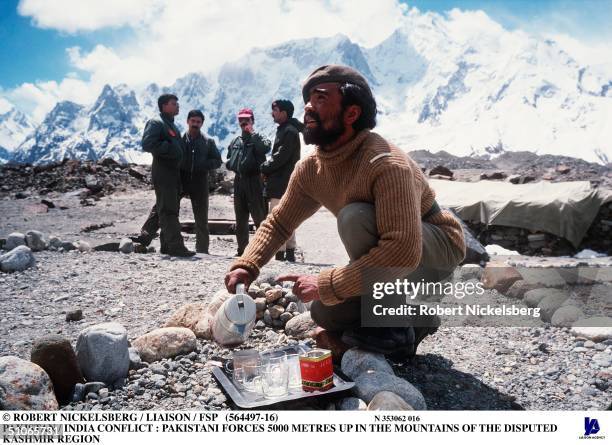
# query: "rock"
55, 355
521, 179
533, 297
260, 304
276, 311
81, 246
68, 246
25, 386
48, 203
563, 169
595, 328
292, 307
357, 361
107, 247
545, 277
140, 248
93, 184
35, 240
273, 294
549, 304
17, 259
300, 326
126, 246
499, 277
388, 401
194, 316
102, 352
565, 316
137, 173
14, 239
55, 242
519, 288
165, 343
74, 315
267, 318
441, 170
135, 361
368, 384
79, 393
602, 359
217, 300
352, 404
94, 387
285, 317
494, 175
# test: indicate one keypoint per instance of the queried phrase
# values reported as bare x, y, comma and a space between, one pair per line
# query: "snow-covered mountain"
439, 86
14, 127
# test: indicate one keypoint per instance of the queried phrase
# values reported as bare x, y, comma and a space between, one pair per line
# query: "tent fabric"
565, 209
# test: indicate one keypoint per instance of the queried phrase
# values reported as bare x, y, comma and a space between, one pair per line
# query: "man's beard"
321, 136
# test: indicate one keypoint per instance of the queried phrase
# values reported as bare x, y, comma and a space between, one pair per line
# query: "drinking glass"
294, 373
252, 373
274, 380
240, 359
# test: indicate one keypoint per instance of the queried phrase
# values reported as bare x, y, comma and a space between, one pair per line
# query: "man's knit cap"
334, 73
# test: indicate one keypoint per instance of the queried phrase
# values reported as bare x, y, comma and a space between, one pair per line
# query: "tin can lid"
240, 309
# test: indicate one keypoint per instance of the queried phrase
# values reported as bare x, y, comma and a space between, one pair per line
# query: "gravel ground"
480, 368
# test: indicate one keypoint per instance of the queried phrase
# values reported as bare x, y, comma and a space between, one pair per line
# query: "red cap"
245, 112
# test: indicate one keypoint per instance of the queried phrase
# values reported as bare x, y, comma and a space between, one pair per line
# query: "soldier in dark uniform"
162, 139
277, 170
201, 155
245, 155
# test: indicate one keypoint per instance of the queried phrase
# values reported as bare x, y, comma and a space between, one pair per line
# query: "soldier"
201, 155
245, 155
278, 169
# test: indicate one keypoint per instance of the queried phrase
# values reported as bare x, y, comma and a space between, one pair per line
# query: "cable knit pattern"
396, 186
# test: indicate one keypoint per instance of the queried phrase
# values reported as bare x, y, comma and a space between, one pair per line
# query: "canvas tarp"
565, 209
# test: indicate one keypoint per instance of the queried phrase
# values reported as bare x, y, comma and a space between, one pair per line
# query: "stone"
563, 169
126, 245
267, 318
596, 328
140, 248
81, 246
55, 242
368, 384
300, 326
519, 288
35, 240
14, 239
499, 277
285, 317
566, 316
545, 277
25, 386
79, 393
260, 304
74, 315
352, 404
276, 311
388, 401
193, 316
533, 297
549, 304
107, 247
602, 359
135, 361
357, 361
441, 170
55, 355
273, 294
165, 343
93, 184
256, 292
17, 259
94, 387
217, 300
102, 352
68, 246
292, 307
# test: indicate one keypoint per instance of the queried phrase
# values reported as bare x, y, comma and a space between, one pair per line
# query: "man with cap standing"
201, 155
278, 169
245, 155
387, 217
163, 140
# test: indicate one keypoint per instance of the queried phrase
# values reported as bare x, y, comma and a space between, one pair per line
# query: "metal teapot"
235, 319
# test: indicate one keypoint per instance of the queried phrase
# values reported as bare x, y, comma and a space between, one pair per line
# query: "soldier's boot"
290, 255
280, 255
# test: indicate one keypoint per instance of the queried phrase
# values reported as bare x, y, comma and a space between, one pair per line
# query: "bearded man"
387, 216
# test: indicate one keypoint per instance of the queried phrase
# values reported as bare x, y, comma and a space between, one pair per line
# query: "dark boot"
144, 238
280, 255
181, 252
290, 255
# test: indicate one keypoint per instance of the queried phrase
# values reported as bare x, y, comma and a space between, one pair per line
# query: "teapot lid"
240, 309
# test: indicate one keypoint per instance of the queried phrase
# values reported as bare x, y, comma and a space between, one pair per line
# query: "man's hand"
235, 277
306, 287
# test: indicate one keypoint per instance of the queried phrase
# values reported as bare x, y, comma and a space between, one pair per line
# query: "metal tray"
245, 399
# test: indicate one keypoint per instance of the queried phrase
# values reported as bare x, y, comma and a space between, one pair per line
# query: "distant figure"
278, 169
201, 155
162, 139
245, 155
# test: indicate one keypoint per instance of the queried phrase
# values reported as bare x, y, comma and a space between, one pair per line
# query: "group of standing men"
181, 165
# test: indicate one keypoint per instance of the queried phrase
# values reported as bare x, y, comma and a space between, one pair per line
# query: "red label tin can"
317, 370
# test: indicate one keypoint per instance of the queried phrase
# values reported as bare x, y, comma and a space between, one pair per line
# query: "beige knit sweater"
366, 169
